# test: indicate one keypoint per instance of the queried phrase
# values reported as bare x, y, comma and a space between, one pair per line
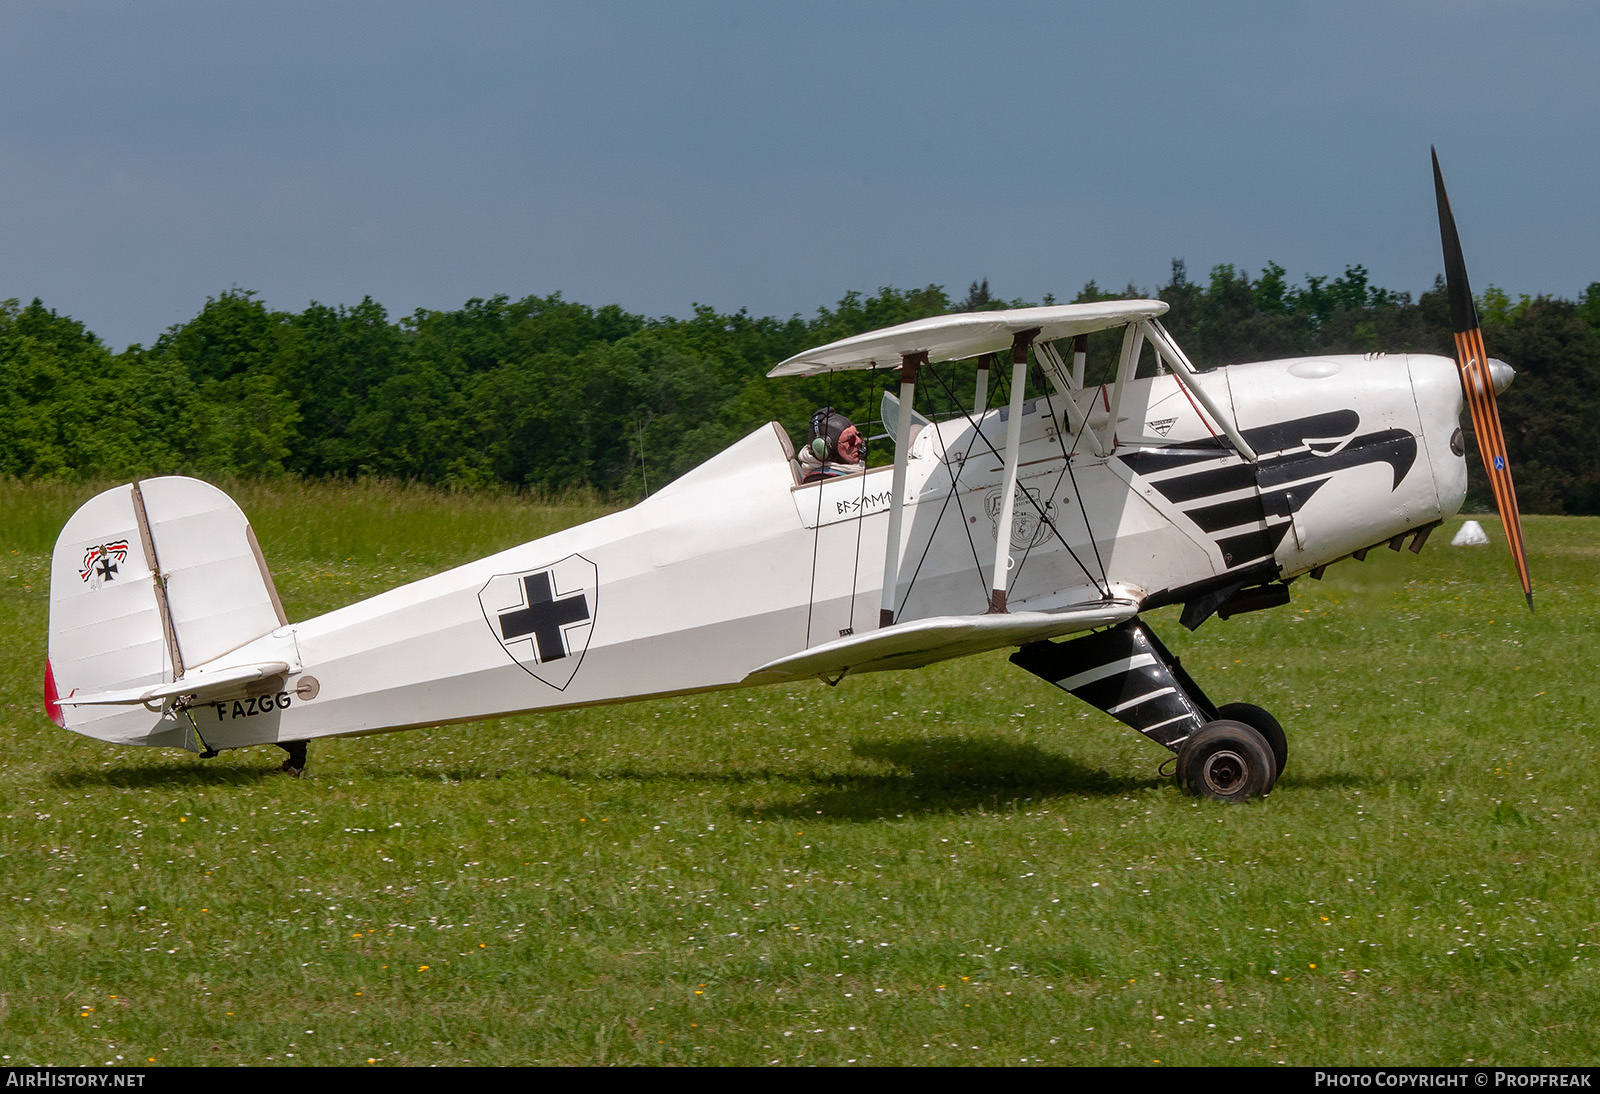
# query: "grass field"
958, 865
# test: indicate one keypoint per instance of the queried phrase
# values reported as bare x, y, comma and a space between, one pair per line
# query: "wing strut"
1127, 368
1184, 372
909, 364
1070, 384
1002, 540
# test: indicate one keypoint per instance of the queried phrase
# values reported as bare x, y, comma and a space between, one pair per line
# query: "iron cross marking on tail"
101, 563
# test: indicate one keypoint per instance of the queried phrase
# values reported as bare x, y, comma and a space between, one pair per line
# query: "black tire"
1227, 762
1263, 723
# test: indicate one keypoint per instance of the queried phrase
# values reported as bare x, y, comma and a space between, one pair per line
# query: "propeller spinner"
1478, 383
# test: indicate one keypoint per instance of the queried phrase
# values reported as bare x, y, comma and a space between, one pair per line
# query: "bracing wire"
951, 493
816, 533
861, 511
1043, 516
1066, 458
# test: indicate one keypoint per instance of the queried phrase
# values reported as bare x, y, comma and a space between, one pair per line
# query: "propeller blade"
1477, 384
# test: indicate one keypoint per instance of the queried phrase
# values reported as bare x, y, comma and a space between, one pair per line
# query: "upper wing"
955, 337
924, 641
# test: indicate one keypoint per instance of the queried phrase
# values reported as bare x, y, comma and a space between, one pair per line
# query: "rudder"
150, 580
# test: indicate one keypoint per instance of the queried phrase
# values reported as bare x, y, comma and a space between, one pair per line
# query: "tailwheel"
1265, 724
1226, 761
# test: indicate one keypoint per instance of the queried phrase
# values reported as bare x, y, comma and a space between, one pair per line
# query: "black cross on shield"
543, 618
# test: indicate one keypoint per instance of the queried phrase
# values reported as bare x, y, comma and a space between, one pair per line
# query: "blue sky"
770, 156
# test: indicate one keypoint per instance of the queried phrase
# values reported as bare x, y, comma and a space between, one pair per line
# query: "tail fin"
148, 581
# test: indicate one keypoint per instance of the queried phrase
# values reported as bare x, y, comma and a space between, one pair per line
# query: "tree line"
549, 394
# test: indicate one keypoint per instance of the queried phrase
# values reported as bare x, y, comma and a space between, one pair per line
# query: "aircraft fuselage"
735, 565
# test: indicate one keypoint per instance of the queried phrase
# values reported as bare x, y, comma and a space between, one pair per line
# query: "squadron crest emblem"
1027, 529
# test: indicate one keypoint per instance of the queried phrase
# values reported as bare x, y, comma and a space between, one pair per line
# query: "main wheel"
1263, 723
1226, 761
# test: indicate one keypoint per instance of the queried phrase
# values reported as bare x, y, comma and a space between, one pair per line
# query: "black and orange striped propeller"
1477, 383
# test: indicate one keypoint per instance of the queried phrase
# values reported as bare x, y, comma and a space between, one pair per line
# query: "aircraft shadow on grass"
962, 774
152, 777
954, 775
935, 775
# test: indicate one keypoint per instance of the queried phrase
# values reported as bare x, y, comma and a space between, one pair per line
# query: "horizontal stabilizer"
200, 684
924, 641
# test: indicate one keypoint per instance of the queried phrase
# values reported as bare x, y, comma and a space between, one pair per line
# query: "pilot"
833, 447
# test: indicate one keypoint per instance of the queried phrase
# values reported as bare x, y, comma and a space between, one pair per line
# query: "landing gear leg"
295, 765
1127, 672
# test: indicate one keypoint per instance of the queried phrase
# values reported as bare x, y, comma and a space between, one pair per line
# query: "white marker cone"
1471, 535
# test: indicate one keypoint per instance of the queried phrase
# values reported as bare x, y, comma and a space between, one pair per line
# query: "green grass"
955, 865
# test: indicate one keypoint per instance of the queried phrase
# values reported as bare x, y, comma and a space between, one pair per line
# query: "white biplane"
1047, 524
